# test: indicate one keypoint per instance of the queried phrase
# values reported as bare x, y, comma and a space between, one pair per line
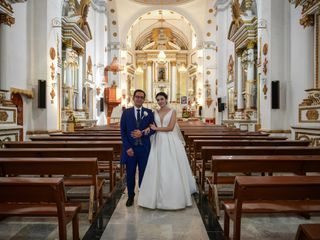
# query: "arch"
129, 23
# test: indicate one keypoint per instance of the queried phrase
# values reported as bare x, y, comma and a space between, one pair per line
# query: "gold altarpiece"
161, 65
77, 77
242, 84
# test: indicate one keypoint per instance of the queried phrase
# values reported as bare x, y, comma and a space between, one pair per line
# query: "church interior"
242, 76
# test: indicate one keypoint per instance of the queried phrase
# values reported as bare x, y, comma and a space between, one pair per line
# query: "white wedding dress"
167, 182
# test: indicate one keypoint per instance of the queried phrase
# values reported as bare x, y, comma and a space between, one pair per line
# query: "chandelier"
162, 58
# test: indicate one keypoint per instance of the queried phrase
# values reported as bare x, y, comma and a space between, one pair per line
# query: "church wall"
279, 61
301, 62
53, 9
276, 35
15, 68
37, 37
225, 48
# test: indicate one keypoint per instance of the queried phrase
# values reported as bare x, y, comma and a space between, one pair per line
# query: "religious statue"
161, 74
236, 13
230, 68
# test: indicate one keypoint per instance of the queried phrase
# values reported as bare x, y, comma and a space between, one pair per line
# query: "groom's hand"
136, 134
130, 152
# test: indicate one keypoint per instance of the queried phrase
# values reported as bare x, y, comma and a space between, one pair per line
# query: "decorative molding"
6, 19
309, 9
5, 7
71, 31
27, 93
247, 32
307, 21
8, 115
314, 138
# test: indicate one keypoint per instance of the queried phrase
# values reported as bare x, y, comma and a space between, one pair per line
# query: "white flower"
145, 114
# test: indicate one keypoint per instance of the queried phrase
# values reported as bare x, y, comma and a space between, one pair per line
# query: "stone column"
239, 81
149, 80
5, 23
80, 82
173, 81
250, 77
69, 63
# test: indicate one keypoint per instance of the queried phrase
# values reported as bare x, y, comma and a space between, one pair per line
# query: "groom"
136, 142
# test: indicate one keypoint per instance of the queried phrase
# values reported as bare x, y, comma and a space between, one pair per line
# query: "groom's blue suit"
141, 147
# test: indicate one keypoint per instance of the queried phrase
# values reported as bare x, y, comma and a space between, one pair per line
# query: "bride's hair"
163, 94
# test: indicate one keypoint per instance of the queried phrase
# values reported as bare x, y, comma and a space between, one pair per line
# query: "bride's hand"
146, 131
153, 127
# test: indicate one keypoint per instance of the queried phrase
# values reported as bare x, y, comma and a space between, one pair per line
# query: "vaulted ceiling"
159, 2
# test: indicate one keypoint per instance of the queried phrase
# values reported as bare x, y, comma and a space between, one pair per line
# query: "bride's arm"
170, 126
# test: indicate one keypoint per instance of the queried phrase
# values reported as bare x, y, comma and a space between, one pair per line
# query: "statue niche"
161, 74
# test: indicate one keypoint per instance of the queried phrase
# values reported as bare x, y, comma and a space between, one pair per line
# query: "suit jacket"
128, 124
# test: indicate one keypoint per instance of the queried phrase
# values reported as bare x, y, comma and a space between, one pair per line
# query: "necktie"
138, 116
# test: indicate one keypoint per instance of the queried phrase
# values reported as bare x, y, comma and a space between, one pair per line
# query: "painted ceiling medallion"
160, 2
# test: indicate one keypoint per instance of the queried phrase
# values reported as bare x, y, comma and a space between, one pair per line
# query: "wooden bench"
115, 144
308, 232
80, 172
39, 197
86, 134
104, 155
74, 138
265, 195
190, 139
199, 143
208, 151
298, 164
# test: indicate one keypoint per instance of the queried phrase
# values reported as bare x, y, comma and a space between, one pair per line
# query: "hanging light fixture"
161, 56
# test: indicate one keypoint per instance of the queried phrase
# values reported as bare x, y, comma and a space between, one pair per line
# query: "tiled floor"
139, 223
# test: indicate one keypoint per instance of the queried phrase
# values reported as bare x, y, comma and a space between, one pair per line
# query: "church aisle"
140, 223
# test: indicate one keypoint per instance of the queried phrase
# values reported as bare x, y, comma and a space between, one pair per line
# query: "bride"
168, 182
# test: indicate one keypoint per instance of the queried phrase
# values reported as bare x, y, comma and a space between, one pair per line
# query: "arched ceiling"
160, 2
181, 30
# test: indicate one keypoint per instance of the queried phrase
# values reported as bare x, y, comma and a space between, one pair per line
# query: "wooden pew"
86, 134
222, 133
39, 197
208, 151
265, 195
74, 168
104, 155
308, 232
74, 138
190, 139
101, 128
195, 155
115, 144
298, 164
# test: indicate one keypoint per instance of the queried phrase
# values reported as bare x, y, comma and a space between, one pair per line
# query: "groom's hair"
139, 90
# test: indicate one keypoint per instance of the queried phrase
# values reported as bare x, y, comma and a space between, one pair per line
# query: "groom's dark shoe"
129, 201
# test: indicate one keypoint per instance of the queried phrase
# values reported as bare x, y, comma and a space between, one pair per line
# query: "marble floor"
140, 223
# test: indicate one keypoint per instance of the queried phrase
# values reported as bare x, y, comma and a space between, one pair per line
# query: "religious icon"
161, 74
184, 100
